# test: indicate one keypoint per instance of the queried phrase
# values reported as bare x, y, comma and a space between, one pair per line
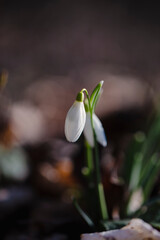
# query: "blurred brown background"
51, 50
55, 48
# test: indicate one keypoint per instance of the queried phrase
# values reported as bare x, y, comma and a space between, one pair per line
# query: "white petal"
100, 134
75, 121
88, 132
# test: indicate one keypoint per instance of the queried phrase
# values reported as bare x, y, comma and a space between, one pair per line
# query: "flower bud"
75, 119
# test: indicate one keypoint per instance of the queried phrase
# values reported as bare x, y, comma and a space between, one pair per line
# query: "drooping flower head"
75, 119
79, 118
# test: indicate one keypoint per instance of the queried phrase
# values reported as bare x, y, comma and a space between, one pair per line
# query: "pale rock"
137, 229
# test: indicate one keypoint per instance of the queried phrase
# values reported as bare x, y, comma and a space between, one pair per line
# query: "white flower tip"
99, 130
104, 143
102, 138
68, 136
101, 82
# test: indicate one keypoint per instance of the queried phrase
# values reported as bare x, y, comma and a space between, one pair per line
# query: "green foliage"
116, 224
150, 212
95, 95
83, 214
141, 169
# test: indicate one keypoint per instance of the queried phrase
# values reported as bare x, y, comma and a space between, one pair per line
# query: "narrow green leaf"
155, 225
151, 144
116, 224
83, 214
148, 179
132, 153
95, 95
135, 174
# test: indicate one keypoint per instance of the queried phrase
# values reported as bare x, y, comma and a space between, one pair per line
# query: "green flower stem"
90, 193
100, 190
90, 164
83, 214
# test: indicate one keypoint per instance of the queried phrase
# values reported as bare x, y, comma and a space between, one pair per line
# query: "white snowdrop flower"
75, 119
100, 134
88, 132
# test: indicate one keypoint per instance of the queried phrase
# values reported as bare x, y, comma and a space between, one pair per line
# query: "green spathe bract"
95, 95
80, 97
